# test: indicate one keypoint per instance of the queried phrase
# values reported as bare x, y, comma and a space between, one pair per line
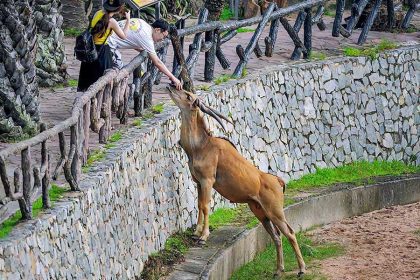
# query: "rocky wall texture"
288, 120
292, 119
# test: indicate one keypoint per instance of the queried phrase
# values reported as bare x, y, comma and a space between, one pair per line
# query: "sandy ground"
384, 244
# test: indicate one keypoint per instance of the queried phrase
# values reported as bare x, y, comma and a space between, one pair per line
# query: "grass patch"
115, 137
244, 72
137, 123
55, 193
357, 173
239, 216
159, 264
373, 51
94, 156
222, 79
264, 264
226, 14
72, 32
72, 83
203, 87
244, 30
317, 56
158, 108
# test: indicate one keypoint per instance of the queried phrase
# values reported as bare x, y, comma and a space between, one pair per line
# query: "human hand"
127, 14
177, 83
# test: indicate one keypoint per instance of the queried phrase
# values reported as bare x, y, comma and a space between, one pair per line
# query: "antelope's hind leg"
269, 227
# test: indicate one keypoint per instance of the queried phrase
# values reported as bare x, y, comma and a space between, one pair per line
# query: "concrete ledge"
313, 211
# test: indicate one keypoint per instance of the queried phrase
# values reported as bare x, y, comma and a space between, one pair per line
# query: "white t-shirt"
139, 37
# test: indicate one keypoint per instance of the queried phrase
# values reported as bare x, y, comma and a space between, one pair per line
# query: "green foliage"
226, 14
350, 51
371, 52
330, 10
222, 79
356, 173
72, 83
94, 156
244, 30
244, 72
158, 264
253, 223
417, 232
264, 264
317, 55
137, 123
72, 32
55, 193
115, 137
203, 87
158, 108
222, 216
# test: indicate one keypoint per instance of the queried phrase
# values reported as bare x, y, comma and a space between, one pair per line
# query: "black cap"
112, 5
162, 24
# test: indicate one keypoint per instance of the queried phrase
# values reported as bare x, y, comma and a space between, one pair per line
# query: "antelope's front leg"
199, 227
206, 186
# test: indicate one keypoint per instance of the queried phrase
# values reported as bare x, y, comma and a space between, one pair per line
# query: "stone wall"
288, 120
292, 119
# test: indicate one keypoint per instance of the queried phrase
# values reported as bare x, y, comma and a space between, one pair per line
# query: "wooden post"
162, 55
369, 22
391, 13
74, 155
356, 11
157, 10
296, 27
105, 112
137, 91
4, 179
338, 18
210, 57
270, 41
307, 35
27, 186
254, 40
188, 83
45, 171
63, 158
293, 35
86, 124
407, 19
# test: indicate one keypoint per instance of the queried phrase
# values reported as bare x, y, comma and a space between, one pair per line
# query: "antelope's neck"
194, 133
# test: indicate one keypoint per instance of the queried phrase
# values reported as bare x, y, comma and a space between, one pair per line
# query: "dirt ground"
383, 244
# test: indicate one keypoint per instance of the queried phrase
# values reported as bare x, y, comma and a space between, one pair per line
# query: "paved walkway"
56, 104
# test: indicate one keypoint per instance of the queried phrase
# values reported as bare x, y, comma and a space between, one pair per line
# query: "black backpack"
85, 49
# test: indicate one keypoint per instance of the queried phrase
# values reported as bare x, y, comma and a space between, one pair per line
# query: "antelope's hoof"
195, 237
201, 242
300, 274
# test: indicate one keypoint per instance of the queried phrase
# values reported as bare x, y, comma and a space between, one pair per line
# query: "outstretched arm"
161, 66
122, 33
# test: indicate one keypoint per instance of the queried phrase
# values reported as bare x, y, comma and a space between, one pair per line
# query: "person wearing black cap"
142, 36
101, 27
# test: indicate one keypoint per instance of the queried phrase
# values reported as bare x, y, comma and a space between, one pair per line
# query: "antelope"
215, 163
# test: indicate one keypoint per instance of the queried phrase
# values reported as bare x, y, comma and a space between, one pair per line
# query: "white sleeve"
147, 44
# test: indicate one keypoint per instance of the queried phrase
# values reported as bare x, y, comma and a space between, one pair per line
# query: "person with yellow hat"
101, 27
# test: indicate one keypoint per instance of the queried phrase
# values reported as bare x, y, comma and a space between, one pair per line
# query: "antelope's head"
190, 105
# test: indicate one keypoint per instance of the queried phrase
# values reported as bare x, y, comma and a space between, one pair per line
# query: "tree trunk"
74, 14
19, 108
215, 8
50, 58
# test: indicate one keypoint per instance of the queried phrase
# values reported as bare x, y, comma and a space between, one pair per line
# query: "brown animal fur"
215, 163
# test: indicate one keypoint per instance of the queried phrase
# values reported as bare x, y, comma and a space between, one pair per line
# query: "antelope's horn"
212, 114
219, 114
